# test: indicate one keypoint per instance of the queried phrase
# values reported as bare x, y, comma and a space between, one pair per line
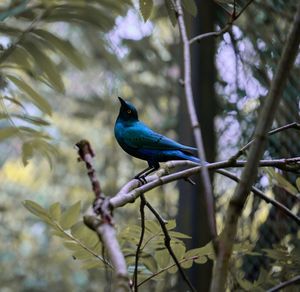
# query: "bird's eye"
129, 111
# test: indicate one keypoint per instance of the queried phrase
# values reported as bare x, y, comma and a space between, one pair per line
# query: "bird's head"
127, 111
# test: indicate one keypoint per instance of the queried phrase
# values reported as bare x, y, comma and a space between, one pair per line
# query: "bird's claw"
141, 179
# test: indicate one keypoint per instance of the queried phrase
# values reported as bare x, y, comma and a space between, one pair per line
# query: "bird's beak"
122, 101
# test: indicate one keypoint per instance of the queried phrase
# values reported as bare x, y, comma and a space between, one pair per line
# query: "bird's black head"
127, 111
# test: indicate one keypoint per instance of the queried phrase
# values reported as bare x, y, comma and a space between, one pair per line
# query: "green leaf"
190, 6
21, 58
37, 99
40, 212
27, 152
45, 64
179, 250
35, 209
60, 234
162, 257
171, 224
64, 46
178, 234
201, 260
146, 7
70, 216
173, 270
150, 263
71, 245
171, 12
92, 264
298, 183
8, 132
187, 264
152, 226
82, 255
55, 211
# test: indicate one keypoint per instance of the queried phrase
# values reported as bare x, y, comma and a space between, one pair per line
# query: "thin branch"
167, 268
138, 249
104, 227
208, 195
275, 131
162, 223
264, 123
260, 194
295, 280
232, 19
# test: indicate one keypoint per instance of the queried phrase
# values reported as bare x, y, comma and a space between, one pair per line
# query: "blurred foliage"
62, 63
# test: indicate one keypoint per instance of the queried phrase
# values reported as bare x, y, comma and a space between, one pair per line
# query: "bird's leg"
141, 175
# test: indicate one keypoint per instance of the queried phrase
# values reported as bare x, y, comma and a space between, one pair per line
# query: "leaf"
60, 234
91, 264
40, 212
187, 264
37, 99
27, 152
70, 216
178, 234
55, 211
190, 6
201, 260
8, 132
82, 255
35, 208
171, 12
146, 7
298, 183
179, 250
152, 226
64, 46
13, 100
162, 257
21, 58
72, 245
171, 224
45, 64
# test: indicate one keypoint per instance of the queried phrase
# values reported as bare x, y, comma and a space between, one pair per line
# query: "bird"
138, 140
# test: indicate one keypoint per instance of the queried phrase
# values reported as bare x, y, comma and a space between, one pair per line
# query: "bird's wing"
140, 136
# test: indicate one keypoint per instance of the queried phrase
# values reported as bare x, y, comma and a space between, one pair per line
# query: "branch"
104, 227
162, 223
138, 249
275, 131
256, 151
232, 19
208, 195
285, 284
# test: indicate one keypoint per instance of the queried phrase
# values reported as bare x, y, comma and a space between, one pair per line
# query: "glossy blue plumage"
140, 141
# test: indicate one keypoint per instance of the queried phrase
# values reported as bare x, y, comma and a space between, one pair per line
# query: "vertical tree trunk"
192, 216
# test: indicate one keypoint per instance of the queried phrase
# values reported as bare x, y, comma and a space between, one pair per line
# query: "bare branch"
208, 195
256, 151
295, 280
285, 127
104, 227
233, 17
138, 249
162, 223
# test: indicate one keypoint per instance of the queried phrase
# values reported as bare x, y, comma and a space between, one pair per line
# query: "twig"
138, 249
104, 227
162, 223
233, 17
285, 127
208, 195
260, 194
256, 151
285, 284
167, 268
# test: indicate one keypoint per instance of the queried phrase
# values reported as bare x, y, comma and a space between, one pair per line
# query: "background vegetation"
62, 65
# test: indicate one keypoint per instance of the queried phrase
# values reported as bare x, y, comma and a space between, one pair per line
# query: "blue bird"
140, 141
